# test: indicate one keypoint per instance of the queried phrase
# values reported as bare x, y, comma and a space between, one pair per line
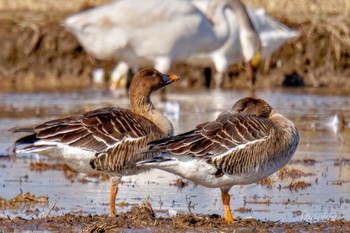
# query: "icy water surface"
323, 156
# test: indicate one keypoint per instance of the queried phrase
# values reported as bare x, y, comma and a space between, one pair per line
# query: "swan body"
146, 33
159, 33
235, 47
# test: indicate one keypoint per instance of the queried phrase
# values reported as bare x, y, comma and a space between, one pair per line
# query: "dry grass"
323, 45
21, 199
292, 9
298, 185
45, 5
293, 173
297, 10
316, 20
267, 182
243, 210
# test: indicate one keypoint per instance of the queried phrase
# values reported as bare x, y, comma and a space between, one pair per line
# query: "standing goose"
158, 33
107, 140
241, 146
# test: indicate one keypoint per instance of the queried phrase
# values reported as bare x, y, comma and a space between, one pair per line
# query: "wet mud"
145, 219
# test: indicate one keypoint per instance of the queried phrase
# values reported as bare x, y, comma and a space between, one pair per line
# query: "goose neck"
142, 105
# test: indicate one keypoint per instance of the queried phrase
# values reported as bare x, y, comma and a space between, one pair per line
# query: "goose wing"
229, 132
97, 130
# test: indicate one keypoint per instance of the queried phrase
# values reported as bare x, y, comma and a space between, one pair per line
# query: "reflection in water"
321, 152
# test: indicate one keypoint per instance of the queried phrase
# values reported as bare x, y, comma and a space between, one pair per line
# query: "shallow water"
311, 110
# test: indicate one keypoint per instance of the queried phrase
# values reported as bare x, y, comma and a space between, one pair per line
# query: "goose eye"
150, 73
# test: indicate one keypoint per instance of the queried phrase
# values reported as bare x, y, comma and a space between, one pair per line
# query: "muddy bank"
143, 218
38, 54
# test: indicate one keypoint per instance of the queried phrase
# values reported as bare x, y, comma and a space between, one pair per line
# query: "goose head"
144, 83
253, 106
149, 80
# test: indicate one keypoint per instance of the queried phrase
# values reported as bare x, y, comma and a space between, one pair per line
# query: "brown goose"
106, 140
241, 146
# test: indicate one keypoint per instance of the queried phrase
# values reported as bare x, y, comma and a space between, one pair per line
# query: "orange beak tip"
174, 77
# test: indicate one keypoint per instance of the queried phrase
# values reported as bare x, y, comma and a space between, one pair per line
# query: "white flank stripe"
239, 147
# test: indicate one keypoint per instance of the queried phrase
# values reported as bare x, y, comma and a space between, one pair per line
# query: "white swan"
158, 33
237, 49
272, 34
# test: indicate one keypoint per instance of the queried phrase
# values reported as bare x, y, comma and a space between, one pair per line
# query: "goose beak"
167, 79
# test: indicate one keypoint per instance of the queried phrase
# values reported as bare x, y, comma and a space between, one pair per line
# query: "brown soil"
37, 53
143, 218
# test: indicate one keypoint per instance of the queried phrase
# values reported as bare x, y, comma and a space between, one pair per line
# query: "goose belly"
205, 174
76, 158
199, 172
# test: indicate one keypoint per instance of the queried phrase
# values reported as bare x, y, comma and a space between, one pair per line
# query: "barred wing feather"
99, 131
215, 139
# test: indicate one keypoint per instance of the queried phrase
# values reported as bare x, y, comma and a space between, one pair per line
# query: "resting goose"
106, 140
241, 146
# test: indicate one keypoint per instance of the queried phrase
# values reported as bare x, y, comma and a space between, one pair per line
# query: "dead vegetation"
44, 5
293, 173
306, 161
180, 183
287, 173
143, 217
69, 173
341, 161
42, 166
298, 185
267, 182
258, 202
26, 199
243, 210
319, 54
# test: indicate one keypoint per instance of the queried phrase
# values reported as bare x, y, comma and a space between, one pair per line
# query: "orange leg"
113, 194
226, 201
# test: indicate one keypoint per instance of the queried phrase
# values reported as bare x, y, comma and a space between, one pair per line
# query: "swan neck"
243, 18
222, 25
